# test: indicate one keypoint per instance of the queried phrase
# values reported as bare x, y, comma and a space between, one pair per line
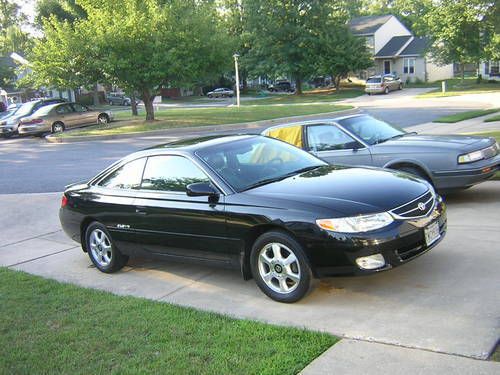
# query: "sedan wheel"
103, 119
386, 91
280, 268
58, 127
102, 252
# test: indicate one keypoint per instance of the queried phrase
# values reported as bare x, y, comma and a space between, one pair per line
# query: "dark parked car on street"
449, 162
277, 213
114, 98
284, 86
9, 125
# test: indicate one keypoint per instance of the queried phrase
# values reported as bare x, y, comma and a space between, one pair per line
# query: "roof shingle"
367, 24
393, 46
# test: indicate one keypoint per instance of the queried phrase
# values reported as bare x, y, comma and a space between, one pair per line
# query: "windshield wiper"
393, 137
282, 177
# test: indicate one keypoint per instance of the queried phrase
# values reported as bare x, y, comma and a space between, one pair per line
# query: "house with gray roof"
397, 51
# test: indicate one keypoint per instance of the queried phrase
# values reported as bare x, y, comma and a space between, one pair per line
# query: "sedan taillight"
32, 121
64, 201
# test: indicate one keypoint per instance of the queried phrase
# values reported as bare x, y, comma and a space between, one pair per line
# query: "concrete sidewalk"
443, 302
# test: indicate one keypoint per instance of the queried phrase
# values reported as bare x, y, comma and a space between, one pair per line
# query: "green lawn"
188, 117
455, 87
49, 327
496, 135
493, 118
496, 355
308, 97
466, 115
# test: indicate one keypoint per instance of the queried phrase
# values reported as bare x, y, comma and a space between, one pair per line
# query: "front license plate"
431, 233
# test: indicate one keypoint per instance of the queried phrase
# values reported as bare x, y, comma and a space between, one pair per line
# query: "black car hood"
344, 190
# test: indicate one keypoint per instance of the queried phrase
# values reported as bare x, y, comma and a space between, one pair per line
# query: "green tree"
283, 36
340, 52
63, 10
457, 28
137, 45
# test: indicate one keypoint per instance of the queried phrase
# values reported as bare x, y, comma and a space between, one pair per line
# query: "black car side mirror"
201, 189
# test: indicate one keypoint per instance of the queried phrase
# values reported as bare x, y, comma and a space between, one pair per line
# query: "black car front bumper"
402, 241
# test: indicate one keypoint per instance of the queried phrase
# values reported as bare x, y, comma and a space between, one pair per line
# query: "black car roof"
193, 144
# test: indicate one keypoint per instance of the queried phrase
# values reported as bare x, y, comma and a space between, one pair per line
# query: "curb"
208, 128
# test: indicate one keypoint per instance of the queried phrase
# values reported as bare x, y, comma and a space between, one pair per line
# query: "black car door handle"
141, 210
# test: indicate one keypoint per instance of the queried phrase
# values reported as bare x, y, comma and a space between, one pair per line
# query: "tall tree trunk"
336, 82
462, 69
95, 94
298, 86
133, 104
148, 98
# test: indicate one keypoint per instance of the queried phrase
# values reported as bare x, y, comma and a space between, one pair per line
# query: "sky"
28, 8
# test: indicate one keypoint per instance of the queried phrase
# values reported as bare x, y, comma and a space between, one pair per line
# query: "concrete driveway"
445, 301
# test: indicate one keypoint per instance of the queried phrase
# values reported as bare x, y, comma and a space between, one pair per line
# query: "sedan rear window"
374, 80
127, 176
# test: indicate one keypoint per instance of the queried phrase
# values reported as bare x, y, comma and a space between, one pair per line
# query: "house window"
409, 66
494, 68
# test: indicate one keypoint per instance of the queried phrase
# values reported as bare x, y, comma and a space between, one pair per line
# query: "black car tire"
300, 266
210, 96
400, 86
57, 127
110, 262
386, 90
103, 119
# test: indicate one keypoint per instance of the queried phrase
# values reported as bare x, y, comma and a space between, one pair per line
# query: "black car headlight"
356, 224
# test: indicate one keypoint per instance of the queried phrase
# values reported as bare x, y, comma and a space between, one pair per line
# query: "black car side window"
128, 176
171, 173
329, 137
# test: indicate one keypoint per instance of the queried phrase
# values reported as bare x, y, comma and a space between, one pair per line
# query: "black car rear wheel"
280, 267
101, 249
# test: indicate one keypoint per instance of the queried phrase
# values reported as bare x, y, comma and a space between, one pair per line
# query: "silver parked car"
447, 161
56, 118
221, 93
9, 123
383, 84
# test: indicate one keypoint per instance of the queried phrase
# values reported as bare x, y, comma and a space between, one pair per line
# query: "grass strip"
50, 327
492, 119
191, 117
466, 115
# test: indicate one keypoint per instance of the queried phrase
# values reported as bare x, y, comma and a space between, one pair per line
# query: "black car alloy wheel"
102, 252
279, 267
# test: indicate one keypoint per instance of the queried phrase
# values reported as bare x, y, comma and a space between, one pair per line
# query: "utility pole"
237, 79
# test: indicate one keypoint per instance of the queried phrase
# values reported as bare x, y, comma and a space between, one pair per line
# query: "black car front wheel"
280, 267
101, 249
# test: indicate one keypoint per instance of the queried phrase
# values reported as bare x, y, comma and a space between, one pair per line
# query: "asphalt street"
31, 165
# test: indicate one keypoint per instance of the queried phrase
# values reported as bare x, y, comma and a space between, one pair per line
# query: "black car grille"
407, 253
416, 208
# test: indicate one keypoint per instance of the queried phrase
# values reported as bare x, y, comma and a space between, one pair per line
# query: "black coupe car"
279, 214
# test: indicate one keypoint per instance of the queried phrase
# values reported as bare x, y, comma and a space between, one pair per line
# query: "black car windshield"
251, 162
371, 130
